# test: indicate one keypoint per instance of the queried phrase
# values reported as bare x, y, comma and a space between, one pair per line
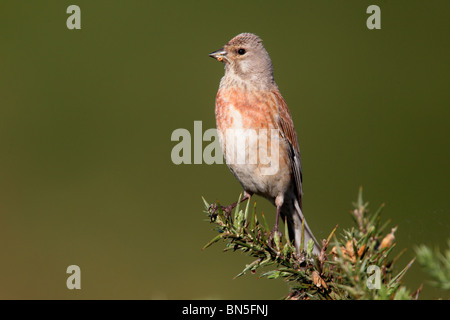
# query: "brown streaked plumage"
249, 101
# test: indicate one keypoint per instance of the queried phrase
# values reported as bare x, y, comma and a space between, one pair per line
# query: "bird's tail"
296, 230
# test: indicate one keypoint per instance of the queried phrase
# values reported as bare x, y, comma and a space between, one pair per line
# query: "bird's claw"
213, 211
273, 233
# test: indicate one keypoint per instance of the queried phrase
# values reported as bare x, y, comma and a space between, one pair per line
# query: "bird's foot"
213, 210
275, 236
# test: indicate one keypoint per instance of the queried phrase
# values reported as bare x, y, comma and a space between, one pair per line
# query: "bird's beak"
219, 55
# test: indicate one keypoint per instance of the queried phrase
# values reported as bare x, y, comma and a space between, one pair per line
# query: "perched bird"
249, 102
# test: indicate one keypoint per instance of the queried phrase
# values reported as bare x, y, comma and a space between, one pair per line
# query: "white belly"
253, 156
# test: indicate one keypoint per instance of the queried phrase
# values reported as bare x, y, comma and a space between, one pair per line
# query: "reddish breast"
246, 109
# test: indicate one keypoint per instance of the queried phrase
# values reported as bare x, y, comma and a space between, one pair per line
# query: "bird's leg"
227, 209
275, 227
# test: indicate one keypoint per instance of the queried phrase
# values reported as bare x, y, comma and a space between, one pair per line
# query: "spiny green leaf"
236, 210
266, 226
247, 206
400, 275
248, 267
376, 215
310, 247
214, 240
302, 237
205, 203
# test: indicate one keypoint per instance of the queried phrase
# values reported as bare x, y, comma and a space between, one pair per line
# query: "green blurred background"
86, 118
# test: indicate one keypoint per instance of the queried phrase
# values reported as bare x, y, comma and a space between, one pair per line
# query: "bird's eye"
241, 51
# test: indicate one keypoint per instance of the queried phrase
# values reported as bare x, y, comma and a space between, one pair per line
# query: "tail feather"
295, 230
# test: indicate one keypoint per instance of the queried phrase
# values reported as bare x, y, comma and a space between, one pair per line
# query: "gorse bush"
353, 264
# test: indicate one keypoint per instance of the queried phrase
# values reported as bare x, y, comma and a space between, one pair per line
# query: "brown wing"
288, 132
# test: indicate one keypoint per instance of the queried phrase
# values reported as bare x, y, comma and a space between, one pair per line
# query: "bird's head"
246, 58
